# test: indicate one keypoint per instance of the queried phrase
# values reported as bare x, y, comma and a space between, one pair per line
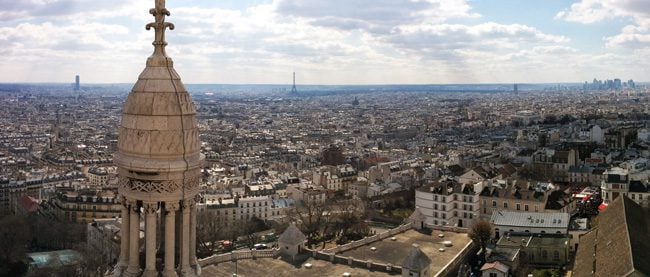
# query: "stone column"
124, 236
134, 240
150, 238
170, 218
193, 260
185, 238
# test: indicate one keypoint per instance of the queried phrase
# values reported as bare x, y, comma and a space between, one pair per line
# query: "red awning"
602, 207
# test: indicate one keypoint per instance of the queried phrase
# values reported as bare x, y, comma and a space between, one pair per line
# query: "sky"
330, 41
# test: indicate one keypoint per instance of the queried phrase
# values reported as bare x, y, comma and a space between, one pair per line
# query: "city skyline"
334, 42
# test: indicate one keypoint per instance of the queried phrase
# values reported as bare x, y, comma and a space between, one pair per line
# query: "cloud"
633, 36
376, 16
337, 41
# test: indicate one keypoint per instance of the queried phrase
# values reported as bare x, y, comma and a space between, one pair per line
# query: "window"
492, 274
505, 205
556, 255
525, 207
444, 216
632, 195
455, 197
544, 254
518, 206
494, 203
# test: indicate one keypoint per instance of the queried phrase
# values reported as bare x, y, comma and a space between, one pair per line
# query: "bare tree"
313, 218
480, 233
14, 237
209, 231
347, 220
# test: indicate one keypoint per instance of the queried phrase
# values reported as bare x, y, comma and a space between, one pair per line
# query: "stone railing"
368, 240
352, 262
238, 255
448, 228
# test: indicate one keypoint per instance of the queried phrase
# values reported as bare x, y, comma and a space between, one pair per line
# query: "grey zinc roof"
528, 219
416, 260
292, 236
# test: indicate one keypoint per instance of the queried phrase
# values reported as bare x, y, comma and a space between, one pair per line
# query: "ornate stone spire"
160, 26
159, 164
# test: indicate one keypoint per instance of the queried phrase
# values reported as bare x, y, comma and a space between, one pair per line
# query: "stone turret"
159, 163
416, 263
291, 241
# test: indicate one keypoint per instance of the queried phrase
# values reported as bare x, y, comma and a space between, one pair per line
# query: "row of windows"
465, 207
517, 206
241, 205
633, 196
466, 198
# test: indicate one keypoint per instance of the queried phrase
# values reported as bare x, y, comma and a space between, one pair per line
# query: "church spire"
160, 26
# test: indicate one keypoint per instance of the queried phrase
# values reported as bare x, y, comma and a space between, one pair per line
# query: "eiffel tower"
294, 91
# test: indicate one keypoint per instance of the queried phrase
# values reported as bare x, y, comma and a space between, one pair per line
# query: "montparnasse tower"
159, 164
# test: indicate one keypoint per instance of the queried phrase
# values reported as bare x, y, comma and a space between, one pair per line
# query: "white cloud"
338, 41
634, 36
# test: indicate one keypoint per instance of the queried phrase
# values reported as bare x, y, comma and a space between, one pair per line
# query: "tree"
313, 218
208, 233
480, 233
14, 238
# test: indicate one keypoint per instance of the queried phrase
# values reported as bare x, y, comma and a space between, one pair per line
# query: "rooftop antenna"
294, 91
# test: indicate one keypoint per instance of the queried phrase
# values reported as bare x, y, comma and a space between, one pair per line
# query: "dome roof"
158, 135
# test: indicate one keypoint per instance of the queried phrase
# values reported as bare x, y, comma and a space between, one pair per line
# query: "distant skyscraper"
617, 84
76, 83
515, 89
294, 91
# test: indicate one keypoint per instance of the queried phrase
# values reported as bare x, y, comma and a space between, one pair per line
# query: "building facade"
448, 203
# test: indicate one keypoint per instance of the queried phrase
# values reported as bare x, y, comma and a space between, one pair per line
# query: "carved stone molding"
131, 204
150, 208
187, 204
172, 206
190, 184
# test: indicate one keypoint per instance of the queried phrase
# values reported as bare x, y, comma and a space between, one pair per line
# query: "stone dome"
158, 153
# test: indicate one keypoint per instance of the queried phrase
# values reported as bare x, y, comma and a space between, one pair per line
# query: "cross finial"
159, 12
